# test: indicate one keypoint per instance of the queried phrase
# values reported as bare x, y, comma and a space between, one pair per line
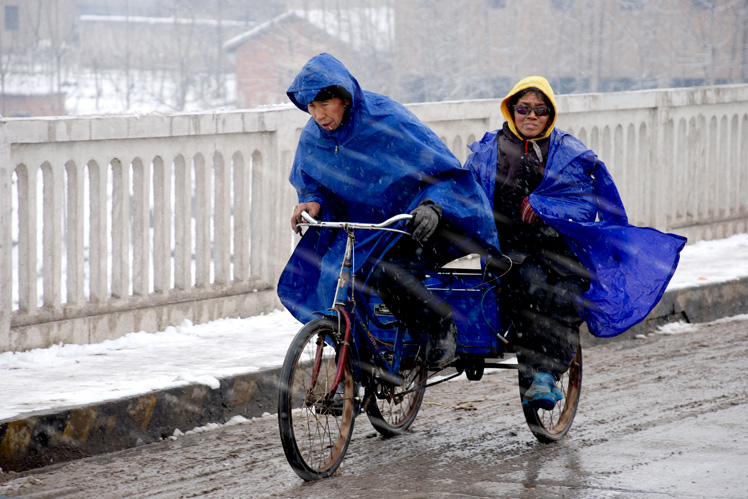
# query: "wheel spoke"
393, 409
315, 432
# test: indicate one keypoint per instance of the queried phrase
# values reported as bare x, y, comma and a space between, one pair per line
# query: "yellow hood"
541, 84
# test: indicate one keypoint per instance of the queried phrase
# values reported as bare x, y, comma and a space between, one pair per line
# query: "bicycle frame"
320, 388
467, 292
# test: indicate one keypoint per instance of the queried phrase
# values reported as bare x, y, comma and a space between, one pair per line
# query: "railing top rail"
275, 118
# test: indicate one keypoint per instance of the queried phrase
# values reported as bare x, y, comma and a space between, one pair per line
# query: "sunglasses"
539, 111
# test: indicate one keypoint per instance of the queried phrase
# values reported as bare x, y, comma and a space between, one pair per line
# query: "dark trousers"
398, 280
543, 306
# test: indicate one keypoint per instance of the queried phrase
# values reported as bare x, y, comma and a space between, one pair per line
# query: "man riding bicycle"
363, 157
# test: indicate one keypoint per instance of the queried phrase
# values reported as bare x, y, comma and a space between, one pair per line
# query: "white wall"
138, 222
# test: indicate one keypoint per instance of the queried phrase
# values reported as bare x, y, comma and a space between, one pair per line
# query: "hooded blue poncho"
630, 266
380, 162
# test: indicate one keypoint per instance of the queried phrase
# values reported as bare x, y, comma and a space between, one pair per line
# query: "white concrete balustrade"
117, 224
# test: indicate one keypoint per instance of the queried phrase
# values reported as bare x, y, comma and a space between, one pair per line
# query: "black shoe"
441, 347
336, 404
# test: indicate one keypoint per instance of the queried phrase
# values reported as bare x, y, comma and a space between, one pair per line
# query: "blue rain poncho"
630, 266
380, 162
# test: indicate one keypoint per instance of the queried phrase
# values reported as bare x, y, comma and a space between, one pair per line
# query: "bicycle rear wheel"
392, 409
315, 428
550, 426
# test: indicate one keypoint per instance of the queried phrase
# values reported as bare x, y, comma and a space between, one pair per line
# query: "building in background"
436, 50
268, 57
121, 55
23, 105
187, 55
35, 25
462, 50
155, 43
34, 37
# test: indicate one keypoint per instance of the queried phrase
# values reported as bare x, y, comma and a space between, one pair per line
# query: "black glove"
425, 219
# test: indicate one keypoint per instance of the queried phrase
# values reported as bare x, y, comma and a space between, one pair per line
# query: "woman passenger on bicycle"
561, 221
362, 157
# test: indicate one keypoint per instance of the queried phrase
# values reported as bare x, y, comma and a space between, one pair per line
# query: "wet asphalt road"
662, 416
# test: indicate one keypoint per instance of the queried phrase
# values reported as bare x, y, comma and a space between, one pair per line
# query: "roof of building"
358, 27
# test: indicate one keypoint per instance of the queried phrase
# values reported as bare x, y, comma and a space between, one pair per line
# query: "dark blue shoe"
543, 393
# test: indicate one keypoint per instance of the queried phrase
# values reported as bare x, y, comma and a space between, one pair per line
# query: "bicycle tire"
390, 412
553, 425
315, 433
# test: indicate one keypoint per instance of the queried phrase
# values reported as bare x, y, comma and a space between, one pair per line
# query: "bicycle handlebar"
312, 222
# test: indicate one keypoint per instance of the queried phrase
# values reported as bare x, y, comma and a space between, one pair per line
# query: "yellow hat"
531, 82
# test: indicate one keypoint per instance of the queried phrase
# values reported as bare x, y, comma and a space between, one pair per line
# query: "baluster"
162, 229
51, 236
202, 209
222, 219
98, 257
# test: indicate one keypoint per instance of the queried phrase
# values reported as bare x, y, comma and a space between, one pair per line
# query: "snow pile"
67, 375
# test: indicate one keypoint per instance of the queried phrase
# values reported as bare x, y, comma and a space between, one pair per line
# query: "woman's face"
530, 125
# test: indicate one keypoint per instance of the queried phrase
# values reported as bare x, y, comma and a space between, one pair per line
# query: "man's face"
328, 113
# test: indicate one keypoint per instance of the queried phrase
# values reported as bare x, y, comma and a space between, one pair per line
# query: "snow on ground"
139, 362
71, 375
707, 262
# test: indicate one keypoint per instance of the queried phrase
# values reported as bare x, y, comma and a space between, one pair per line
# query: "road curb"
697, 304
46, 438
42, 439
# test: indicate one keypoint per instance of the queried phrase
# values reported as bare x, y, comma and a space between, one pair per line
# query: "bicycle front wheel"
315, 428
553, 425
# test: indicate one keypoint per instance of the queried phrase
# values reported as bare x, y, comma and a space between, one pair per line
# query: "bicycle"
356, 357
